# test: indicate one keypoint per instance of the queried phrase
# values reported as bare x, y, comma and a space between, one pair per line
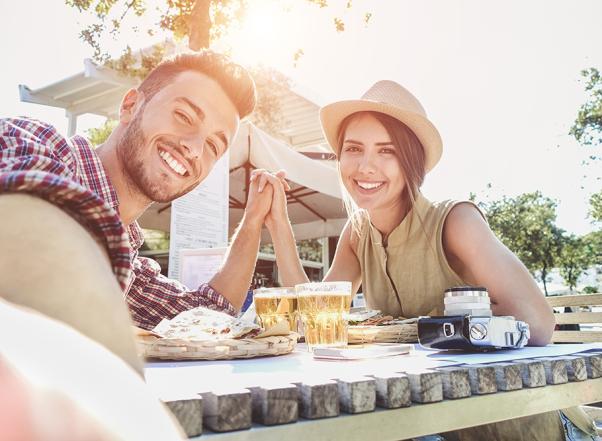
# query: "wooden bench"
578, 335
574, 318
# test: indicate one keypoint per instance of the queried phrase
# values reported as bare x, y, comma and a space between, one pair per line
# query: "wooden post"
274, 404
189, 413
593, 363
456, 382
575, 368
392, 390
532, 373
555, 367
426, 386
227, 410
318, 399
508, 376
356, 394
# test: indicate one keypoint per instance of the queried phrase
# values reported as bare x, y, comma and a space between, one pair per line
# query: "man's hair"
234, 79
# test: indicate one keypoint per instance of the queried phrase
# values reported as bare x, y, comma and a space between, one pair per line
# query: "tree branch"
199, 25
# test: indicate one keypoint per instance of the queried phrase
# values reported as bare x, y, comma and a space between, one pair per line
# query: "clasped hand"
267, 198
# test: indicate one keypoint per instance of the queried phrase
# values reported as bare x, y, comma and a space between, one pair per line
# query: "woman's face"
369, 164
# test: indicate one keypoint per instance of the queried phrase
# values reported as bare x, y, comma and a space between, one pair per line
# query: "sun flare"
262, 36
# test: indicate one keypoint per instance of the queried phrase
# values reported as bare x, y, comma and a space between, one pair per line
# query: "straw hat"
389, 98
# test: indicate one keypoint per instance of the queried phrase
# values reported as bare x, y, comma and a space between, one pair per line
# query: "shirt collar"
93, 176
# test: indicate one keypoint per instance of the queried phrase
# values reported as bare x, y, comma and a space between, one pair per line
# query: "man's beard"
130, 152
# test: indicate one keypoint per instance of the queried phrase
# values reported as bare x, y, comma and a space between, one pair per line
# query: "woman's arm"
479, 258
345, 266
280, 228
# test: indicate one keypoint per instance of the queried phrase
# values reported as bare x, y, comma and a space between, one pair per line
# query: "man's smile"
172, 162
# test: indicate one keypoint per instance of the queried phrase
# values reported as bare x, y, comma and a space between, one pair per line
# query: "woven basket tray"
151, 346
398, 333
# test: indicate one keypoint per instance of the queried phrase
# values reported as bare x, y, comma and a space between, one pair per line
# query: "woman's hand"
259, 200
278, 214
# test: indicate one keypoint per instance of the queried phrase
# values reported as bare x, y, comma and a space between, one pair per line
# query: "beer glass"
323, 308
273, 305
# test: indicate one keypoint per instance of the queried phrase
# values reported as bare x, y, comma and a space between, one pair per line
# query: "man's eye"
213, 147
183, 117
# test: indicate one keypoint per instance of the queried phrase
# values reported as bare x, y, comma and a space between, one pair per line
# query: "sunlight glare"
262, 36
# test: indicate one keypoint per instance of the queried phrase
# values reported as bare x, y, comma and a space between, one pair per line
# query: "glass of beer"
273, 305
323, 308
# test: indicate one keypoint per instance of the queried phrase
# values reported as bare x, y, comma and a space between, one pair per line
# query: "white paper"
359, 352
199, 266
513, 354
199, 219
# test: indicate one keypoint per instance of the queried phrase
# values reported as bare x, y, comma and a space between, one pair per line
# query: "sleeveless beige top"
408, 276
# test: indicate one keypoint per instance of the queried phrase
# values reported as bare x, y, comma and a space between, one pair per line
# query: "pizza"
205, 324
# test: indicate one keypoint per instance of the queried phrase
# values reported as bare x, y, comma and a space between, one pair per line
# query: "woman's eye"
352, 148
183, 117
388, 151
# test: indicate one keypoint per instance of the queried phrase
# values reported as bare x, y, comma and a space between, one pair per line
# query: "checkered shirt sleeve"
36, 160
152, 296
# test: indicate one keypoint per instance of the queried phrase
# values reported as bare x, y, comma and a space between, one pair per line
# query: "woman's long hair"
411, 156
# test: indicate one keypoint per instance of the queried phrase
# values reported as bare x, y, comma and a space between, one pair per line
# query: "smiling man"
68, 226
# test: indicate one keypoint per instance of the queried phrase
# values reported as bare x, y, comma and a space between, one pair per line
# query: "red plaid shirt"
35, 159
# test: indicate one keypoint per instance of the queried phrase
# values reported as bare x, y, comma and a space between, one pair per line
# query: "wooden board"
274, 403
575, 300
571, 318
576, 336
420, 420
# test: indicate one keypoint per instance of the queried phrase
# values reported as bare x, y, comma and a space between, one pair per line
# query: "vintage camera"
468, 324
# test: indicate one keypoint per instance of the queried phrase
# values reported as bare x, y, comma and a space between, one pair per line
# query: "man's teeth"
172, 162
369, 185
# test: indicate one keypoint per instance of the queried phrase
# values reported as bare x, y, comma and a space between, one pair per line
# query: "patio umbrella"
314, 201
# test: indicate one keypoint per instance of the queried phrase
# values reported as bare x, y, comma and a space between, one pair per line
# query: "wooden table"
392, 398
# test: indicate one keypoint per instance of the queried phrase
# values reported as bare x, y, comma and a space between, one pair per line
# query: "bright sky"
501, 80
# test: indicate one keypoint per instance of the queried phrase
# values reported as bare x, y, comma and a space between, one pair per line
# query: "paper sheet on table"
513, 354
362, 352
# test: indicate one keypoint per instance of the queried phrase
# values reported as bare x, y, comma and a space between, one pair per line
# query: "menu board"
199, 219
199, 266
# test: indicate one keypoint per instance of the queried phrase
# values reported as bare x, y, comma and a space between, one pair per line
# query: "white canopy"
314, 202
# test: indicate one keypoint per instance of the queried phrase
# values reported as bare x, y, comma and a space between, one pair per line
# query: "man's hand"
278, 214
260, 198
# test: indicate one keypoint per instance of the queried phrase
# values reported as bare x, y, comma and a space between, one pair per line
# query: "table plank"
482, 379
443, 416
426, 386
532, 373
508, 376
593, 363
456, 382
274, 404
392, 390
227, 410
356, 394
576, 369
318, 399
556, 371
189, 413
